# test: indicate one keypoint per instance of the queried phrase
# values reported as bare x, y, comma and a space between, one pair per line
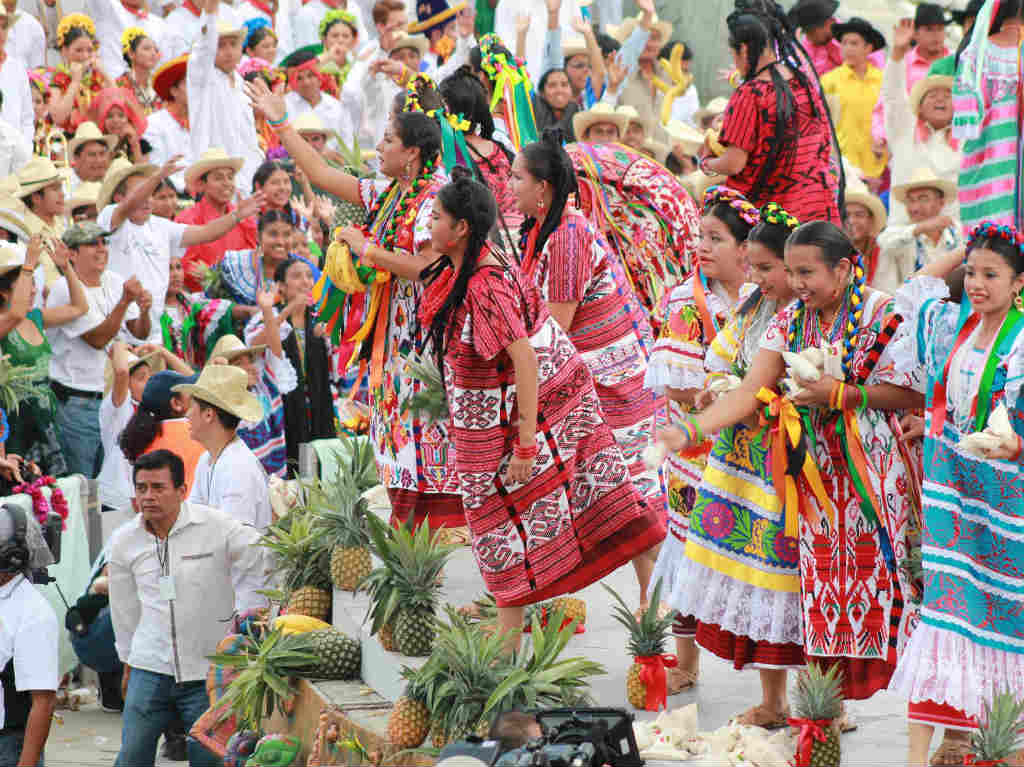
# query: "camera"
51, 534
571, 737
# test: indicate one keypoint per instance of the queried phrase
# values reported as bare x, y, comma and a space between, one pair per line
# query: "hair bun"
460, 173
553, 137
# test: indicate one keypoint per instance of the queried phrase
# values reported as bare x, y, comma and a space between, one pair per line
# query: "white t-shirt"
74, 362
236, 483
29, 635
115, 479
144, 251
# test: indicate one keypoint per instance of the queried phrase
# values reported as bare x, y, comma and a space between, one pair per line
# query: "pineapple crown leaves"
647, 635
1000, 735
300, 550
431, 398
819, 694
338, 511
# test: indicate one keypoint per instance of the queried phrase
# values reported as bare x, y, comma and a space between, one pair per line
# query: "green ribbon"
1012, 326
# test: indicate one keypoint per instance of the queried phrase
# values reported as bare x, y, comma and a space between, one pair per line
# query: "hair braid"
856, 312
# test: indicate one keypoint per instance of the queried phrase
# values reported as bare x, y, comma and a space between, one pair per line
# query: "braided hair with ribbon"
547, 160
509, 82
772, 231
732, 209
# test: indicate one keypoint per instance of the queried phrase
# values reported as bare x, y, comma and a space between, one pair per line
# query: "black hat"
970, 12
808, 14
928, 14
863, 28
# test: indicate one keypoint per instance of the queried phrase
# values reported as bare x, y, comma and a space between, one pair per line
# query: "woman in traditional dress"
691, 315
246, 272
966, 648
78, 78
414, 457
588, 294
490, 328
141, 56
857, 512
260, 40
986, 119
116, 113
748, 604
776, 133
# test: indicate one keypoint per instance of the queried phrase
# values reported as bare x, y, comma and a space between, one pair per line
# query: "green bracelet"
863, 399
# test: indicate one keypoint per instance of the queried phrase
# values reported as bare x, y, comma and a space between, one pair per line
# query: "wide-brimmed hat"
928, 14
87, 193
621, 32
12, 217
573, 46
971, 11
310, 122
119, 170
924, 178
655, 149
599, 113
225, 387
648, 123
863, 28
858, 193
230, 346
712, 109
214, 157
12, 256
431, 13
155, 360
89, 131
925, 84
685, 134
168, 75
405, 40
808, 14
38, 173
227, 29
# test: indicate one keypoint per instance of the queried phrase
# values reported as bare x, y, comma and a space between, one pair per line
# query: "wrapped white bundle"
999, 431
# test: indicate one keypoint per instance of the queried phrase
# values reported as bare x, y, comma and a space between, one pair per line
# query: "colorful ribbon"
655, 680
811, 731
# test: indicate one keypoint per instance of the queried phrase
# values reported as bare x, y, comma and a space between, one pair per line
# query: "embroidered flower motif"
718, 520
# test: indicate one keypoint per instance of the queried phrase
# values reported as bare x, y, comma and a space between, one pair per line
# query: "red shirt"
241, 237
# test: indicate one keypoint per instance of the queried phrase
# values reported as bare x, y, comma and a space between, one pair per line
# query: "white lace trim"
908, 302
664, 372
946, 667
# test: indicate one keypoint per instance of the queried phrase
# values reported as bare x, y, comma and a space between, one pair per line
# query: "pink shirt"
827, 57
916, 67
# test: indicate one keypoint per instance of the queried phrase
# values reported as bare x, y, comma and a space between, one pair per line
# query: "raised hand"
580, 26
267, 297
902, 34
522, 23
261, 97
35, 250
145, 301
132, 290
616, 71
251, 206
172, 166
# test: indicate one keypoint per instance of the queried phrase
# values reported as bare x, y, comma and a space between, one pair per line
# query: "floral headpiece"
511, 82
493, 62
262, 67
39, 78
412, 92
988, 230
129, 36
453, 144
74, 21
251, 25
334, 17
726, 196
775, 214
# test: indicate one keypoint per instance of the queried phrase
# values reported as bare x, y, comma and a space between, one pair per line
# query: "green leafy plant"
15, 384
431, 400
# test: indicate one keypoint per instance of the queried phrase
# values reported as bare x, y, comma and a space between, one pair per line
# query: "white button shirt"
307, 18
17, 106
182, 31
329, 110
112, 19
902, 253
29, 635
216, 568
15, 150
236, 483
26, 40
167, 138
219, 113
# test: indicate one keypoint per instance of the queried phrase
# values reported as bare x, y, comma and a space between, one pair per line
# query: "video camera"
572, 737
51, 534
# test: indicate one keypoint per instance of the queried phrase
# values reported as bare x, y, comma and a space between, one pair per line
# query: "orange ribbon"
652, 674
811, 730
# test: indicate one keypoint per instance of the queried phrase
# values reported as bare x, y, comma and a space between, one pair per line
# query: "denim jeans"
78, 420
10, 749
96, 648
151, 702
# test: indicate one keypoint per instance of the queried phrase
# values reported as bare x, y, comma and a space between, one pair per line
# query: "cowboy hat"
685, 134
155, 360
87, 193
861, 27
599, 113
924, 178
12, 217
38, 173
711, 110
225, 387
309, 122
858, 193
405, 40
89, 131
647, 123
808, 14
929, 14
230, 346
573, 46
119, 170
627, 27
12, 256
214, 157
168, 75
925, 84
655, 150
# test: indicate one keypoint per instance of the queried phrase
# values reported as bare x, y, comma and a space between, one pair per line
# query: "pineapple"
338, 656
408, 723
305, 562
386, 635
351, 213
310, 600
349, 566
646, 638
999, 738
819, 696
403, 590
573, 609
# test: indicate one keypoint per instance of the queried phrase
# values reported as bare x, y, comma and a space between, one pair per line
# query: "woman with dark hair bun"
490, 330
777, 131
587, 292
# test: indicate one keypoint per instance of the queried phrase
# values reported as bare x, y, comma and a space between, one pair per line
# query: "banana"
340, 269
299, 624
713, 143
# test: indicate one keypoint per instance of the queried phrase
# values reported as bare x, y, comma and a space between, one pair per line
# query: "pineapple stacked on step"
404, 589
647, 637
819, 697
304, 562
1001, 736
338, 656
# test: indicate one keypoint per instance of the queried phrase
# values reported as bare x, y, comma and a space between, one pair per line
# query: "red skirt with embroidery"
441, 509
743, 651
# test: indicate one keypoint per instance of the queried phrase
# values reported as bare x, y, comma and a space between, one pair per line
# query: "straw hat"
12, 217
87, 193
89, 131
230, 346
698, 182
119, 170
225, 29
655, 149
924, 178
37, 174
599, 113
625, 29
405, 40
857, 192
711, 110
12, 256
685, 134
925, 84
310, 122
573, 46
648, 123
214, 157
155, 360
226, 387
169, 74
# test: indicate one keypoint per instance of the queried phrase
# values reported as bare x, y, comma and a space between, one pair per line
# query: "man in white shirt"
379, 87
228, 476
90, 152
117, 307
29, 639
14, 151
505, 28
16, 107
112, 18
177, 575
27, 38
219, 112
167, 129
141, 244
305, 95
183, 27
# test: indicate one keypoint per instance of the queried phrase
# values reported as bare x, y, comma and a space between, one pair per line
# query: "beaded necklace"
405, 213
